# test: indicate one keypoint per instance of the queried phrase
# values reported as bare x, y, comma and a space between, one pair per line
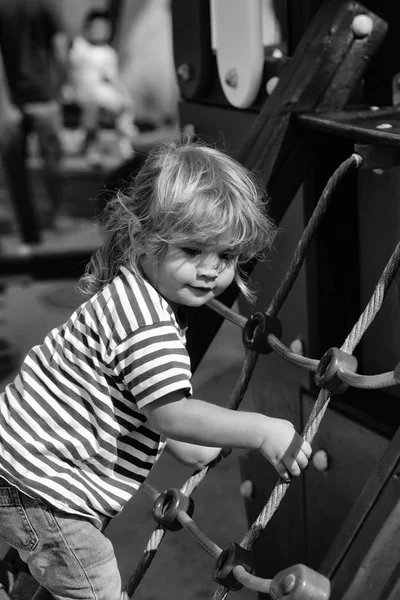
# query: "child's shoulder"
139, 298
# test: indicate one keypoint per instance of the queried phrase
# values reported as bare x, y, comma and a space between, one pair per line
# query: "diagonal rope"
321, 403
354, 161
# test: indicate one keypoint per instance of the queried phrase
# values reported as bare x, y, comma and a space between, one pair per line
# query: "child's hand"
285, 449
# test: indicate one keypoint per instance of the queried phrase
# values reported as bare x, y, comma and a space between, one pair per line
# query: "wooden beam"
364, 559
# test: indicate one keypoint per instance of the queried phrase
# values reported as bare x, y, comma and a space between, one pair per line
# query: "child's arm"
199, 422
192, 455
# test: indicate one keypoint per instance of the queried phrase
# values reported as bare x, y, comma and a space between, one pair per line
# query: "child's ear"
147, 265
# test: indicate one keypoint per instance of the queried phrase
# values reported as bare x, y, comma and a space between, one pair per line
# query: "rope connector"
257, 329
329, 367
299, 583
168, 504
232, 556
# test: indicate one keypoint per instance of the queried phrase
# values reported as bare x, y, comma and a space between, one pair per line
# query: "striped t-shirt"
72, 432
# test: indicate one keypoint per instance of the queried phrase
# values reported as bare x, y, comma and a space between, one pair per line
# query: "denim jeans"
67, 554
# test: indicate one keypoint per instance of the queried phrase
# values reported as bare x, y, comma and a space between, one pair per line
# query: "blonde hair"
185, 192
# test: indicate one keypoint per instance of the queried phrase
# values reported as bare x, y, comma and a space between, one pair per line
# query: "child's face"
191, 275
98, 31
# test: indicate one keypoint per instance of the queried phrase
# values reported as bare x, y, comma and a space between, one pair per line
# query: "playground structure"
303, 137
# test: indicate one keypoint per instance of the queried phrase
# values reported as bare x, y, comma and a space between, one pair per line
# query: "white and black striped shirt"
71, 429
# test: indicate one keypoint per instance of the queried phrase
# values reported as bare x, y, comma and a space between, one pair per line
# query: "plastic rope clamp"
332, 362
230, 557
256, 331
167, 506
299, 583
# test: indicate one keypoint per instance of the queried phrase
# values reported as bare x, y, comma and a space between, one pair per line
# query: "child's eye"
191, 251
227, 256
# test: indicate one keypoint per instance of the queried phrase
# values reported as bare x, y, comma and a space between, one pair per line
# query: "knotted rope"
251, 356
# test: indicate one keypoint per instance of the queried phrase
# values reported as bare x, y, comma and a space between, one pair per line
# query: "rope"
290, 277
368, 382
149, 490
321, 403
187, 522
147, 558
251, 357
227, 313
251, 582
297, 359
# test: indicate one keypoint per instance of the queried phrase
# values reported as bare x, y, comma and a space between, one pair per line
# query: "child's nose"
209, 267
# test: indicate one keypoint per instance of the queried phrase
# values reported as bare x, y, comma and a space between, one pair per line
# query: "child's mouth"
203, 290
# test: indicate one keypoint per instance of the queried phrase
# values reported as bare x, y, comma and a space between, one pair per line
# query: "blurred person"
13, 155
96, 83
10, 122
34, 46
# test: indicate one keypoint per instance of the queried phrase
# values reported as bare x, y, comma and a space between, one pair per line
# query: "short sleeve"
153, 362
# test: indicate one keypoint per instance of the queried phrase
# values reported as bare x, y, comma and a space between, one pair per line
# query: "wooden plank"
379, 571
378, 157
367, 527
351, 448
380, 127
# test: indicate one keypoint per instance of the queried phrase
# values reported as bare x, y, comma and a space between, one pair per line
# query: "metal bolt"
271, 85
277, 53
362, 25
247, 489
183, 72
231, 78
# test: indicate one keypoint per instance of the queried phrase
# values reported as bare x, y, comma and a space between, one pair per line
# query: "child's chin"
196, 302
